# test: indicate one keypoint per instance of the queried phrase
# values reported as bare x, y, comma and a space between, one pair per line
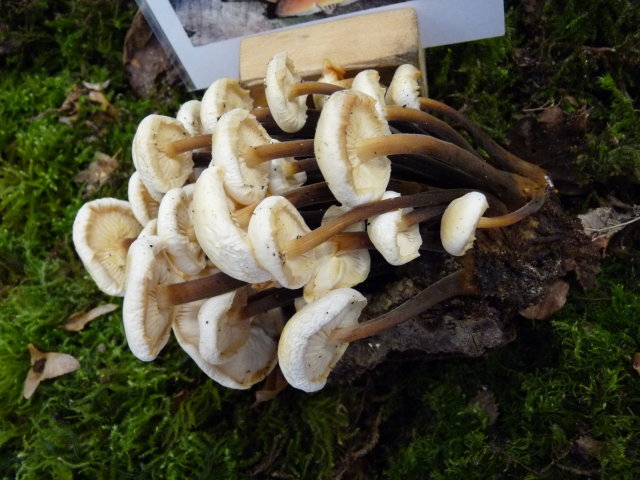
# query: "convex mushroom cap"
102, 231
189, 115
404, 89
397, 244
144, 203
347, 117
306, 352
223, 95
223, 241
158, 170
289, 114
459, 222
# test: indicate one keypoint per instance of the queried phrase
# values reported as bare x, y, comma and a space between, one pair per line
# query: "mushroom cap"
175, 228
146, 324
274, 222
404, 89
143, 204
290, 115
237, 130
279, 182
159, 171
331, 73
100, 229
223, 95
334, 268
237, 374
396, 246
348, 116
224, 242
189, 115
459, 221
368, 81
224, 338
306, 353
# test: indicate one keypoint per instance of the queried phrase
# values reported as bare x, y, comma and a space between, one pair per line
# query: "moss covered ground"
562, 401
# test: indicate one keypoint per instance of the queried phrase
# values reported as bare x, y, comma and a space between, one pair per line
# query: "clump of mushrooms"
213, 255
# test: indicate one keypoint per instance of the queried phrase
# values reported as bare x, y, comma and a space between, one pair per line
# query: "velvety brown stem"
433, 125
306, 88
188, 144
502, 157
453, 285
311, 240
197, 289
254, 156
511, 187
421, 215
268, 300
352, 241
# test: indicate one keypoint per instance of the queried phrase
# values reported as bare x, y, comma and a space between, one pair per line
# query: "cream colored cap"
290, 115
459, 221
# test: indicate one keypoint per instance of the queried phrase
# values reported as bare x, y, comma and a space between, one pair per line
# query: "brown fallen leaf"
45, 365
78, 320
272, 386
636, 362
98, 172
485, 400
552, 301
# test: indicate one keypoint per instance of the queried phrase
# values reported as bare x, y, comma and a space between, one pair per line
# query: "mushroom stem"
254, 156
188, 144
453, 285
311, 240
351, 241
529, 208
432, 124
268, 300
420, 215
196, 289
306, 88
300, 197
509, 186
503, 157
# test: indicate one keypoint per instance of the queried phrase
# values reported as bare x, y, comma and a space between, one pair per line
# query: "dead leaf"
587, 444
602, 223
97, 86
98, 172
99, 98
636, 362
272, 386
485, 400
78, 320
46, 365
552, 301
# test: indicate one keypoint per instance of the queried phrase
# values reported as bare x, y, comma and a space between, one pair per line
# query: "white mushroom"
404, 88
289, 114
144, 204
346, 118
274, 222
368, 82
223, 95
306, 351
459, 222
397, 243
175, 228
189, 115
223, 241
284, 176
160, 168
102, 232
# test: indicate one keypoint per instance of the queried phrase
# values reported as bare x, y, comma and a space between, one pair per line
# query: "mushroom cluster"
238, 215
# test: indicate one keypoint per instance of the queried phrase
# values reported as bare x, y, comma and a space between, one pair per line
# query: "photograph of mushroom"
209, 21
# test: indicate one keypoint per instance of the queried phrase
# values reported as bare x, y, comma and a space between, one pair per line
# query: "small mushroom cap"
143, 203
225, 338
223, 241
159, 171
368, 82
290, 115
404, 89
331, 73
337, 269
46, 365
189, 115
223, 95
100, 233
459, 221
279, 182
274, 222
146, 324
396, 246
240, 373
236, 131
348, 116
306, 353
175, 228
